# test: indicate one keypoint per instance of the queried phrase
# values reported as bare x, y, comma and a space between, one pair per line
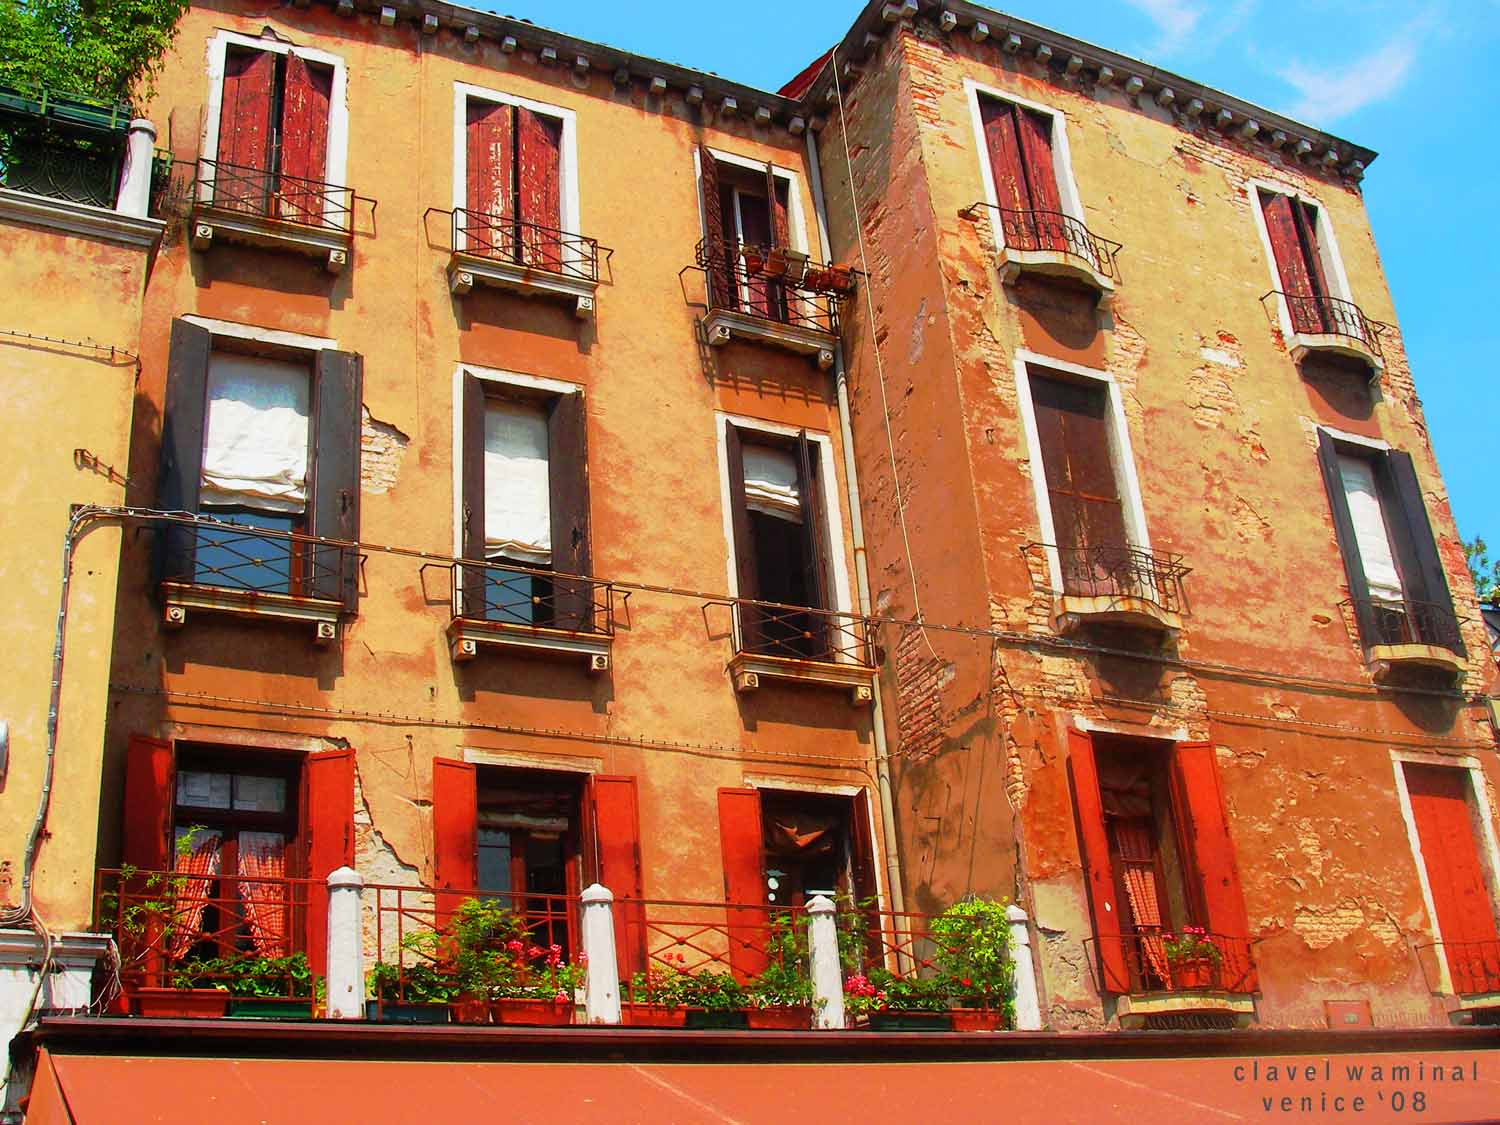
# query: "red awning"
75, 1089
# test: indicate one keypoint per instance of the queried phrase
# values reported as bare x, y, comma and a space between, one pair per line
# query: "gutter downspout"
861, 563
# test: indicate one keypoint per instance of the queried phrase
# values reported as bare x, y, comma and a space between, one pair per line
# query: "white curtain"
1375, 553
255, 439
771, 483
517, 489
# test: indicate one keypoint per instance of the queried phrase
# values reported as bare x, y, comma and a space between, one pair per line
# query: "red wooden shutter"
862, 848
1199, 803
328, 822
1099, 879
150, 781
742, 839
455, 833
243, 158
539, 188
1465, 915
1291, 263
1007, 164
617, 836
721, 288
304, 141
490, 188
1035, 133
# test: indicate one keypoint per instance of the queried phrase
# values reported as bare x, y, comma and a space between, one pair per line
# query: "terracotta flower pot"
977, 1019
753, 262
779, 1019
179, 1003
654, 1015
841, 280
816, 278
1196, 974
776, 262
536, 1013
470, 1010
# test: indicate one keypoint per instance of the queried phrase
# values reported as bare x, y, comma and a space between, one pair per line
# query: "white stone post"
135, 176
1028, 1006
602, 995
823, 955
346, 953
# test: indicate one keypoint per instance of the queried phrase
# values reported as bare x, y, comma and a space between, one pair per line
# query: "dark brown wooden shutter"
335, 477
617, 836
1199, 802
472, 476
1431, 583
1343, 529
862, 848
568, 470
539, 187
183, 422
305, 102
455, 834
778, 195
741, 836
242, 176
823, 636
490, 191
328, 824
721, 290
1035, 134
746, 572
1007, 165
150, 793
1098, 876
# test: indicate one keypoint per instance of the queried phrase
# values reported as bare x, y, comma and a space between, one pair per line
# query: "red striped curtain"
1138, 856
263, 893
201, 866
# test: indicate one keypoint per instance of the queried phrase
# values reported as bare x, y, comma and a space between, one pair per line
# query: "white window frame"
568, 204
1122, 459
336, 171
1328, 246
826, 479
1481, 820
1062, 158
500, 378
796, 220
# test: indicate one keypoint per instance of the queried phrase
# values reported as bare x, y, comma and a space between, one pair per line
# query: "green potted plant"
712, 999
1192, 958
887, 1001
780, 996
656, 994
473, 946
259, 987
416, 993
973, 958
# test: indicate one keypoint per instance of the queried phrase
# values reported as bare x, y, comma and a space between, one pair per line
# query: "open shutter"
539, 187
328, 820
721, 292
1428, 564
242, 174
304, 141
1035, 133
150, 781
1202, 823
1007, 165
489, 146
862, 848
471, 544
1291, 261
1343, 528
182, 444
617, 837
748, 581
335, 460
455, 834
568, 469
820, 644
1099, 879
741, 837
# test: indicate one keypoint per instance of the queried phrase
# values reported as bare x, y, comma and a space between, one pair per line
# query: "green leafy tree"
106, 49
1486, 572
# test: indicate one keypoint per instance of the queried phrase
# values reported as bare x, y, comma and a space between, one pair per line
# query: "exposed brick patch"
381, 449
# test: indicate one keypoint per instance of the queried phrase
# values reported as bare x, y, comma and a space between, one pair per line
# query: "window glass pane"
259, 794
242, 560
508, 597
494, 860
203, 790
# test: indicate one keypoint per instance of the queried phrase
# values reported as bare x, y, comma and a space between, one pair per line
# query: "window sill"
1076, 610
468, 270
1302, 345
1012, 263
322, 613
329, 244
1133, 1010
723, 325
1384, 660
466, 635
67, 217
747, 669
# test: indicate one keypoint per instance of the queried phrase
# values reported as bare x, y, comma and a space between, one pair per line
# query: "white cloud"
1175, 21
1328, 93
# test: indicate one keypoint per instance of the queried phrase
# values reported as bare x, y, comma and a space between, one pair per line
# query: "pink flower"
583, 958
967, 983
561, 997
514, 946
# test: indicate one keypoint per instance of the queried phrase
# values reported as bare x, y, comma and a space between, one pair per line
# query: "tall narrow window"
1021, 164
746, 212
513, 191
1292, 225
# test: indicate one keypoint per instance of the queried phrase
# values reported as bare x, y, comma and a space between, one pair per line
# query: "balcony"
1210, 983
1112, 585
259, 207
227, 568
772, 296
803, 646
1321, 325
525, 258
1052, 244
1399, 636
1467, 969
530, 611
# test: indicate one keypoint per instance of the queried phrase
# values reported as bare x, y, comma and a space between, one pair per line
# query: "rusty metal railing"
1315, 314
1156, 960
269, 194
1053, 230
1408, 622
226, 556
773, 284
510, 238
1118, 572
505, 593
801, 633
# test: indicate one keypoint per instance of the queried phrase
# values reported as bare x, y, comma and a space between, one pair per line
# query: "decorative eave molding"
81, 219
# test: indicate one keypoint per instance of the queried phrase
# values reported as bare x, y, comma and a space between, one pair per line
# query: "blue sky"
1415, 82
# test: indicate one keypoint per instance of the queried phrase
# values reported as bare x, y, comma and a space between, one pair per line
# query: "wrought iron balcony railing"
230, 557
80, 167
522, 597
1214, 963
799, 633
773, 285
1118, 572
268, 194
508, 238
1319, 315
1408, 622
1031, 230
1473, 966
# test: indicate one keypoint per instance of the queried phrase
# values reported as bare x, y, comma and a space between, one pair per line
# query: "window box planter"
778, 1019
406, 1013
705, 1019
654, 1015
910, 1021
179, 1003
470, 1010
534, 1013
977, 1019
259, 1008
1194, 975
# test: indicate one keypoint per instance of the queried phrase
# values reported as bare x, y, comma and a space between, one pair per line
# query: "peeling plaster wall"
1223, 429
